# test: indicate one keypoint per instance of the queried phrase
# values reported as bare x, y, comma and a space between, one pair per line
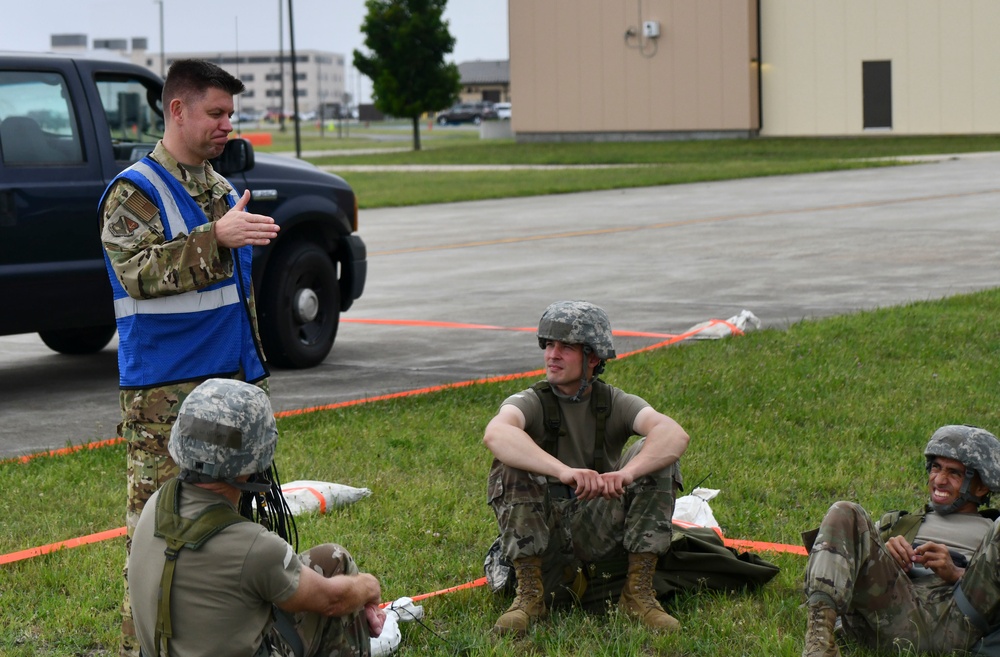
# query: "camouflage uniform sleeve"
146, 265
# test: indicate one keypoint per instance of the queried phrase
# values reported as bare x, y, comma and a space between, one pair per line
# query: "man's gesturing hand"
240, 228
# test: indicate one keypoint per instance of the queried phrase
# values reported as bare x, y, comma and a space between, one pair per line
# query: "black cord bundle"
271, 510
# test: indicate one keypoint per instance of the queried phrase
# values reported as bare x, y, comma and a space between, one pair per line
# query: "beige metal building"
664, 69
843, 67
633, 69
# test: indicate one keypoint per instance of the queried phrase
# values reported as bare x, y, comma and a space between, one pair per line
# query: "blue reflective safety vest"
193, 335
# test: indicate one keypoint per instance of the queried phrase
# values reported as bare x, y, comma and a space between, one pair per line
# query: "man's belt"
561, 492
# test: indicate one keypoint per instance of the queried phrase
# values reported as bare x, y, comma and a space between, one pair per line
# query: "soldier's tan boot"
529, 603
638, 598
820, 641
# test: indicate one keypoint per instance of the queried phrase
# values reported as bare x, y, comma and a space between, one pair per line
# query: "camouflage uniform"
149, 267
880, 606
852, 574
226, 430
327, 635
577, 539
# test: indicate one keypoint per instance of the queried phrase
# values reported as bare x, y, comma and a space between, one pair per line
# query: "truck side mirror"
236, 157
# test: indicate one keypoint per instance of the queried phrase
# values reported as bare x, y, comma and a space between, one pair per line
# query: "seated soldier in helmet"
927, 581
206, 580
565, 496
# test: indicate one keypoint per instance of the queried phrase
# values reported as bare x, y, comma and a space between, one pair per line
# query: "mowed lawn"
782, 422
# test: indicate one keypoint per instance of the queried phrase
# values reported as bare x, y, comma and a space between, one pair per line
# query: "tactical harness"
552, 419
180, 532
902, 523
192, 533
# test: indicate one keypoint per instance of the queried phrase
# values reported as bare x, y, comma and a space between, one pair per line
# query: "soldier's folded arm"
506, 439
665, 442
339, 595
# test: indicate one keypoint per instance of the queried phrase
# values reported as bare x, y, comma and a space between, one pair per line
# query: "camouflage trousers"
341, 636
879, 605
147, 417
580, 540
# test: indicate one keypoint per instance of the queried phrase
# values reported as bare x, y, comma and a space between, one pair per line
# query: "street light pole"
163, 58
295, 82
281, 69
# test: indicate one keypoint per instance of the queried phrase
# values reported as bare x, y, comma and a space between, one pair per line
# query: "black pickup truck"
68, 125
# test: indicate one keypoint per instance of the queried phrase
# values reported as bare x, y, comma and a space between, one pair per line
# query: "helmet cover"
225, 429
975, 448
577, 322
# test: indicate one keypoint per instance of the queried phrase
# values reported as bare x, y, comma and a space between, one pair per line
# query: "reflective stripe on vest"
173, 222
189, 302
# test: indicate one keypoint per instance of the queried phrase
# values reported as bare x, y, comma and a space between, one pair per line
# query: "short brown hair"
195, 76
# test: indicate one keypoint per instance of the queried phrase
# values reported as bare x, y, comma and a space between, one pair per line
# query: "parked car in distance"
502, 110
467, 113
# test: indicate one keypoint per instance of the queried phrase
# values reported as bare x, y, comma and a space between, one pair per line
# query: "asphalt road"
657, 259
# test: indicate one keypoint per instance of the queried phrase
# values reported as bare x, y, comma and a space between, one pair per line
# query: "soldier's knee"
329, 559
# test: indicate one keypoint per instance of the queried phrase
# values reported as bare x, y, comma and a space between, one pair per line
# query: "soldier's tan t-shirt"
961, 532
222, 593
581, 425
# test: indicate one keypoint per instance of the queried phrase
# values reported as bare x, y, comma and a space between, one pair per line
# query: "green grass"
645, 163
783, 422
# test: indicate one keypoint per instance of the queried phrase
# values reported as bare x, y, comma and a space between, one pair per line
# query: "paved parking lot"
658, 259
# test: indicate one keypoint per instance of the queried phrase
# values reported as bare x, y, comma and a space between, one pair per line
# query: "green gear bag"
698, 559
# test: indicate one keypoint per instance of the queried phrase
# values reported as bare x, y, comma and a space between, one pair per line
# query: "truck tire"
299, 309
80, 341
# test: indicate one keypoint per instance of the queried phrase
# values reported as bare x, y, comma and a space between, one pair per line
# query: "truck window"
37, 123
134, 114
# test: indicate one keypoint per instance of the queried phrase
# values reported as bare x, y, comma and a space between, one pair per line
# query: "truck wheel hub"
306, 305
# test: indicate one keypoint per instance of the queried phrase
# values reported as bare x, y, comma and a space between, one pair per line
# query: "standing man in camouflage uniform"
215, 595
566, 497
178, 247
926, 581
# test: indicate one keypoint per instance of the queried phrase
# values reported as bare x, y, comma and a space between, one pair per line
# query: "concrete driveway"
449, 285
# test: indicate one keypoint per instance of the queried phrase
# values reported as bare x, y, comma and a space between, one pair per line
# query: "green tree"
408, 40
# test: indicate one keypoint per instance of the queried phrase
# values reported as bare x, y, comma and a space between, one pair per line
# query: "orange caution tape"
112, 533
766, 547
64, 451
52, 547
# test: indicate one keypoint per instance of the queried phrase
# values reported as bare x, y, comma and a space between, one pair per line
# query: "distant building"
320, 78
677, 69
485, 80
63, 42
320, 75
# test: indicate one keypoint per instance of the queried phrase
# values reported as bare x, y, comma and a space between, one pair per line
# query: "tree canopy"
408, 40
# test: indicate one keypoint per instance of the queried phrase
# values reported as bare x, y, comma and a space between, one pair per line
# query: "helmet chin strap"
584, 381
964, 496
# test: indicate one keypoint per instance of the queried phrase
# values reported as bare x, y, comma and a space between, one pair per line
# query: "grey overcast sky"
479, 26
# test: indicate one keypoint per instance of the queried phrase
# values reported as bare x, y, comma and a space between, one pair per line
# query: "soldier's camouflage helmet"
225, 429
577, 322
975, 448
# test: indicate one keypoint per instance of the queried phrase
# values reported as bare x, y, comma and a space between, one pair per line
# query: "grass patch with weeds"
784, 422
